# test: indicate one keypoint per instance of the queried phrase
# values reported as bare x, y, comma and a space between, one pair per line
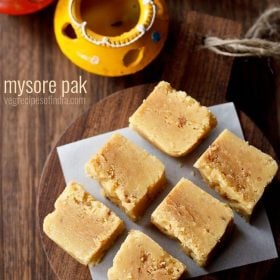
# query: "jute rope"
262, 39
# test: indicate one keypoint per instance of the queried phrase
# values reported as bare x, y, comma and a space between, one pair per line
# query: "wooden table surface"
28, 133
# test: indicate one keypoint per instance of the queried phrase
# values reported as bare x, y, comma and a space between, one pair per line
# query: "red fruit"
21, 7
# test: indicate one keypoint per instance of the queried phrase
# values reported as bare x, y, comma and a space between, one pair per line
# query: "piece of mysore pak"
141, 258
199, 221
172, 120
82, 226
130, 177
237, 171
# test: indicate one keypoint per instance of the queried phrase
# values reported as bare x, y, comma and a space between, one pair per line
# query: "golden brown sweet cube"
82, 226
130, 177
141, 258
172, 120
199, 221
237, 171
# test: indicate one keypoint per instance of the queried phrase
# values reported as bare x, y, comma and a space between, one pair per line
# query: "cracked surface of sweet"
237, 170
172, 120
194, 217
81, 225
130, 177
142, 258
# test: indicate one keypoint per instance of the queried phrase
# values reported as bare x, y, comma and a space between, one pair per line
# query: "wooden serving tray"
202, 74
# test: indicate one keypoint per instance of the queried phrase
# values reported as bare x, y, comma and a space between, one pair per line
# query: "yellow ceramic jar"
111, 37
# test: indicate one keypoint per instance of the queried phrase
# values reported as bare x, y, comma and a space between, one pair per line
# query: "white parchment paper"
249, 243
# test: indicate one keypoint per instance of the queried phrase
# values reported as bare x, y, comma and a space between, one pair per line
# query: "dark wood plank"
196, 70
29, 51
1, 208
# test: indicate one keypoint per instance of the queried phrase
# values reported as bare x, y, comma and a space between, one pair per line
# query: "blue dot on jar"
156, 36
